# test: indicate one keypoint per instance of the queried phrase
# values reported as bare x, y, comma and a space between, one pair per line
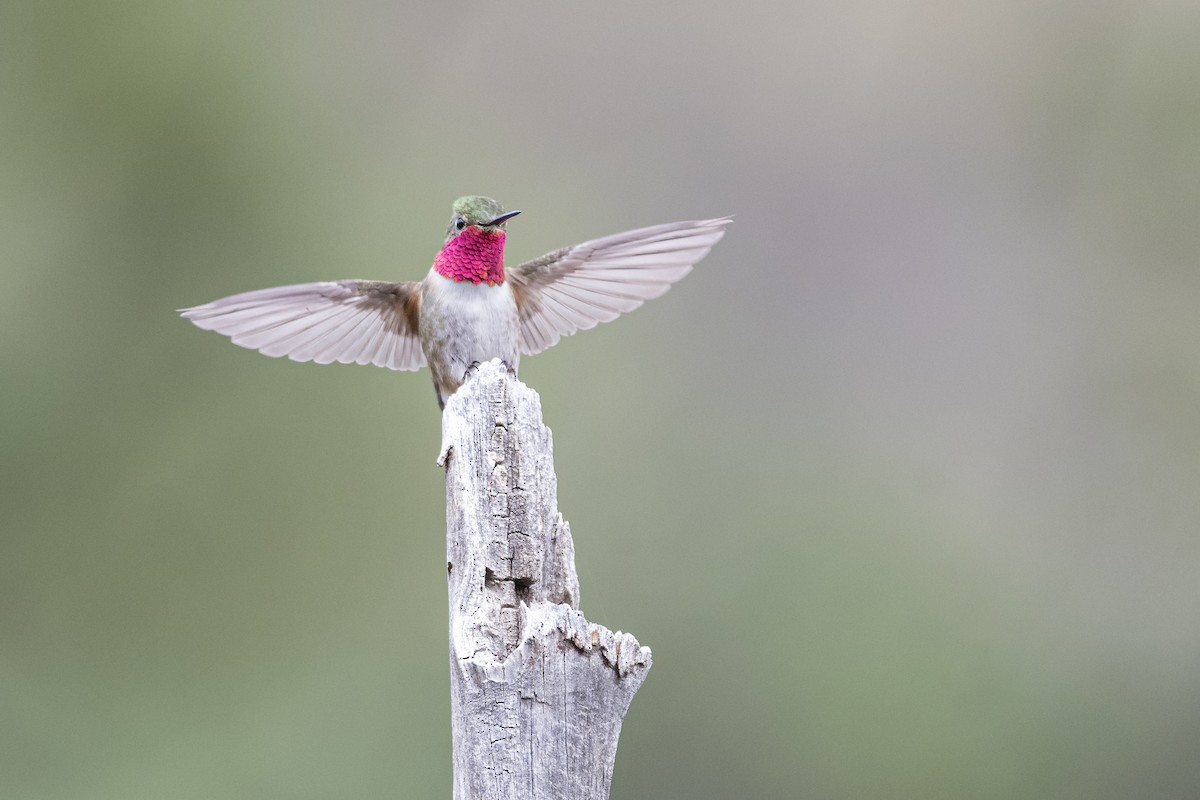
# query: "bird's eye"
460, 223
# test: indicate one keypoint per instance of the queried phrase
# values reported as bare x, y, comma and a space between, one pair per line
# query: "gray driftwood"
537, 692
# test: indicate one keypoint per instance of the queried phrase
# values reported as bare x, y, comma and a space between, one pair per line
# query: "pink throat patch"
474, 255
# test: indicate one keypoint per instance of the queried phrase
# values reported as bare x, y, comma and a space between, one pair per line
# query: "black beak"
501, 218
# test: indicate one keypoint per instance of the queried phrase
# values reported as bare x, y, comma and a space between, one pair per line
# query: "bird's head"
479, 212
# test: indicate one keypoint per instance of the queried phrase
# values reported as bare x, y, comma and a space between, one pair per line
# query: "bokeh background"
902, 484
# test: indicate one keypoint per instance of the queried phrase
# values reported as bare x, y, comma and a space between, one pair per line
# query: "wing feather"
364, 322
295, 338
346, 348
337, 341
577, 287
373, 348
352, 344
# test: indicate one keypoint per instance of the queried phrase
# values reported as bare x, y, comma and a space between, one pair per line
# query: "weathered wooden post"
537, 692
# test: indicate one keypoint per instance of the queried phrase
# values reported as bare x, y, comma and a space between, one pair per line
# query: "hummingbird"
469, 308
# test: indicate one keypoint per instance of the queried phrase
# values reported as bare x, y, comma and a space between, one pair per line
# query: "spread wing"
577, 287
361, 322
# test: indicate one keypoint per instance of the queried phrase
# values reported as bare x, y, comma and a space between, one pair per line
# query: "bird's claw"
474, 367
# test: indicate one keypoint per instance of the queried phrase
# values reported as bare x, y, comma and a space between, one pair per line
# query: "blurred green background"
902, 484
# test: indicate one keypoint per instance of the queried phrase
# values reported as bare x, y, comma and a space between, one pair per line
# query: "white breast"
464, 323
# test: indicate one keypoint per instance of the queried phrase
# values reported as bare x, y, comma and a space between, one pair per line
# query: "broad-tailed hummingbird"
469, 309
